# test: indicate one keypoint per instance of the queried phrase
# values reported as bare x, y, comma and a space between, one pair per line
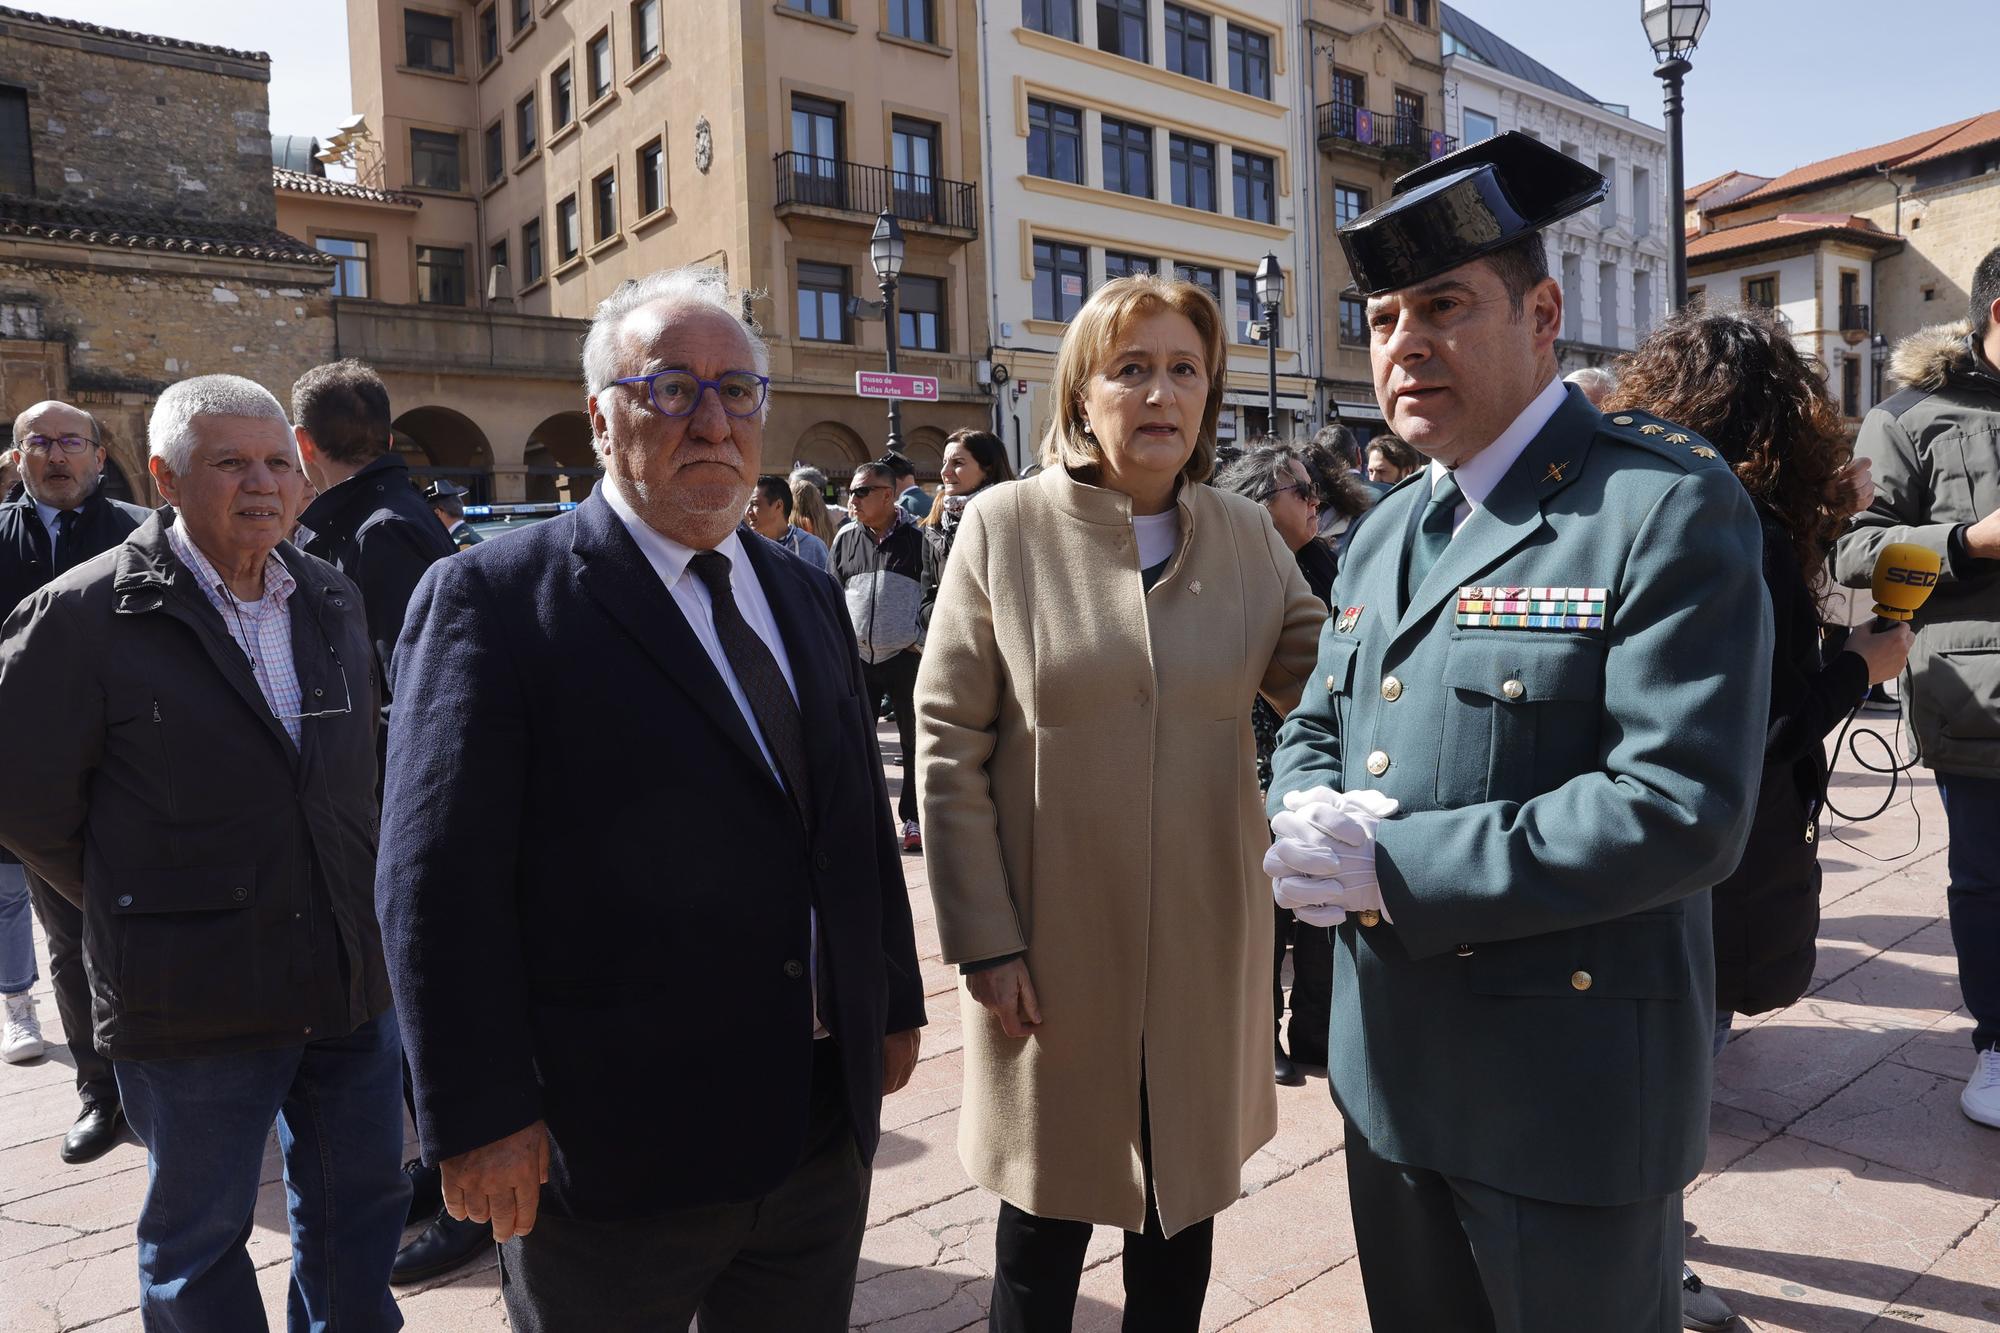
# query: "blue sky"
1776, 82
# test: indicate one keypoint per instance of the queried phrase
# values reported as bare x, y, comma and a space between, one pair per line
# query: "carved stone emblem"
704, 146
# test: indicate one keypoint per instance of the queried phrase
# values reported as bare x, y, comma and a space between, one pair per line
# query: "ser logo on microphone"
1915, 578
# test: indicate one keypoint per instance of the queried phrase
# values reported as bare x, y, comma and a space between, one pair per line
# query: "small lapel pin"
1195, 587
1555, 472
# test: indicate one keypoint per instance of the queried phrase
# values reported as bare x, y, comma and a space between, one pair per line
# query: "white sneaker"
21, 1039
1981, 1099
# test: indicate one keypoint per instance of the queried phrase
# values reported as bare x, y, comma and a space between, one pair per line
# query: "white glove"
1322, 864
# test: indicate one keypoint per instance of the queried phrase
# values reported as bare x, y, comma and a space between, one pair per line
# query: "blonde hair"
809, 509
1093, 336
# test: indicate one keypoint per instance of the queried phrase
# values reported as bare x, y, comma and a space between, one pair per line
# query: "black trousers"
897, 678
1439, 1252
62, 920
784, 1261
1038, 1265
1312, 985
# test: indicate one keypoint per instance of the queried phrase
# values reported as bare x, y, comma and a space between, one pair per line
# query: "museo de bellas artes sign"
877, 384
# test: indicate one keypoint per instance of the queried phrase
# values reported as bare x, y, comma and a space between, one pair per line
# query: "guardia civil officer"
1531, 748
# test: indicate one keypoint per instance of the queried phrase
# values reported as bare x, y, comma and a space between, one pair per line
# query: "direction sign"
877, 384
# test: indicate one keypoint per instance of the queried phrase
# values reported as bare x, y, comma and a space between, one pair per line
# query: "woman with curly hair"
1736, 377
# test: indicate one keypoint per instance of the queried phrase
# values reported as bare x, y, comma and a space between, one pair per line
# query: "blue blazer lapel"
613, 571
1512, 514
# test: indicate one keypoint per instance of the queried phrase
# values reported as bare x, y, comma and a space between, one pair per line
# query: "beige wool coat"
1086, 770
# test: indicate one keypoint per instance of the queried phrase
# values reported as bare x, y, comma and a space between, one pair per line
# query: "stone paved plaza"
1843, 1189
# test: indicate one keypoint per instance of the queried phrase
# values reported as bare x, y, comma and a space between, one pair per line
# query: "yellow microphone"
1904, 576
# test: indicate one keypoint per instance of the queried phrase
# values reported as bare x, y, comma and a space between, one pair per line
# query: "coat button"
318, 692
1621, 421
124, 900
1378, 763
794, 968
1513, 689
1392, 689
239, 893
1464, 950
339, 602
823, 862
309, 1032
1329, 684
1580, 980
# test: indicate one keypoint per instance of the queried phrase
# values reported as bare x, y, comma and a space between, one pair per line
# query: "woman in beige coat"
1091, 821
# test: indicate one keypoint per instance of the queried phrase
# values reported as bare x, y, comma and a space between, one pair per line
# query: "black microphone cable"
1851, 745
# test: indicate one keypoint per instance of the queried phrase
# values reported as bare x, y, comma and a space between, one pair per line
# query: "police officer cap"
443, 490
1464, 205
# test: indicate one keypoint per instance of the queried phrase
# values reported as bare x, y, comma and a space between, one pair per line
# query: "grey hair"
690, 285
812, 476
1256, 472
170, 430
1592, 377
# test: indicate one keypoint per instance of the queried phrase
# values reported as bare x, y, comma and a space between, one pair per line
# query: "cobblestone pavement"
1843, 1189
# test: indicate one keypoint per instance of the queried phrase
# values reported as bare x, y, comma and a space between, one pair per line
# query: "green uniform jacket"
463, 535
1536, 1011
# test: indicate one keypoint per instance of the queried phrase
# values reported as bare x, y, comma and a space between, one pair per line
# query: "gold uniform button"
1392, 689
1580, 980
1513, 689
1378, 763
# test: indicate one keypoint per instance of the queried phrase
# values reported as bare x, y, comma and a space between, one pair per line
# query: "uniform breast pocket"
1332, 689
1521, 717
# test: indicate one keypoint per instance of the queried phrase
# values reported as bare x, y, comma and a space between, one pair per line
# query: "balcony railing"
824, 182
1345, 123
1855, 317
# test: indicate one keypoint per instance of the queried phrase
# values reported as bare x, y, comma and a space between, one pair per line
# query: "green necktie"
1433, 533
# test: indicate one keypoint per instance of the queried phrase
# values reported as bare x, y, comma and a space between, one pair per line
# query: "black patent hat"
1464, 205
443, 490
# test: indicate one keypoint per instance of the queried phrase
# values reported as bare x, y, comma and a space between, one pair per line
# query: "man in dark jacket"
370, 523
1936, 469
654, 1055
189, 757
889, 574
60, 520
447, 504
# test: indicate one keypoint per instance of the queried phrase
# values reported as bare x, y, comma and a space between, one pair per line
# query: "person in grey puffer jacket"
1935, 447
888, 573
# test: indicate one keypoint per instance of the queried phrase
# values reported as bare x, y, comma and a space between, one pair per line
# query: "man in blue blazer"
638, 888
1536, 747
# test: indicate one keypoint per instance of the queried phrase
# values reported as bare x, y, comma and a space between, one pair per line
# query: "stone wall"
169, 129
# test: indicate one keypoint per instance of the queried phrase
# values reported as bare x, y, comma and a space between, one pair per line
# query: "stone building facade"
560, 147
138, 236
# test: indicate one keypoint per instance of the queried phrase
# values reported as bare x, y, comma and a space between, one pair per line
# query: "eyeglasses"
676, 393
1303, 489
346, 705
48, 444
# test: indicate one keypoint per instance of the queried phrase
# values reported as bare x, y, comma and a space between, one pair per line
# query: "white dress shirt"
1478, 475
669, 560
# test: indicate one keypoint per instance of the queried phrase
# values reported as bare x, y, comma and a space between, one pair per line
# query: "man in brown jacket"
190, 758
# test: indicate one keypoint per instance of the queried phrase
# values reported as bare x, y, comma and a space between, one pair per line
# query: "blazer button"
239, 893
1378, 763
1392, 689
823, 861
124, 900
1580, 980
1513, 689
794, 968
1464, 951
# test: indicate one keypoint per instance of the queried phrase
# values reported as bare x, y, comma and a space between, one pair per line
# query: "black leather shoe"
426, 1191
445, 1244
97, 1128
1288, 1073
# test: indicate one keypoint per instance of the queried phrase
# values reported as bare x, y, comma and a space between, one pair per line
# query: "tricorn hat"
443, 490
1464, 205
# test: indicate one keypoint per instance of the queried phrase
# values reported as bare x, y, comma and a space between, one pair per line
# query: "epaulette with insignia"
1663, 437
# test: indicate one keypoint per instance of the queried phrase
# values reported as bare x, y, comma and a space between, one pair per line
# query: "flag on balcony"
1364, 125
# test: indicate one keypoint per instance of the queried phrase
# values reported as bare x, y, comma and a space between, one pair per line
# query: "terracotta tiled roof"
46, 220
301, 183
1850, 164
1976, 133
1786, 228
1695, 192
126, 34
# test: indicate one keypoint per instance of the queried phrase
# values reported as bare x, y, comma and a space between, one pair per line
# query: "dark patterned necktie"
65, 553
1433, 533
757, 671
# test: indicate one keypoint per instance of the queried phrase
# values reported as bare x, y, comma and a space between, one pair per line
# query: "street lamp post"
1878, 352
885, 252
1271, 295
1674, 27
